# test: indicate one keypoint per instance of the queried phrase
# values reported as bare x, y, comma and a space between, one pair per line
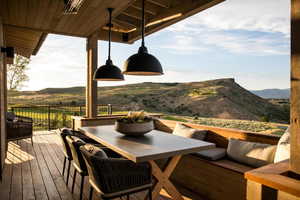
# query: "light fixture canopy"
109, 72
142, 63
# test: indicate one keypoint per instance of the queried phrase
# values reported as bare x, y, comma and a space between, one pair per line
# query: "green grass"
59, 117
246, 125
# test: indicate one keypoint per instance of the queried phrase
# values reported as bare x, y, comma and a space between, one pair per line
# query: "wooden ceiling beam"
161, 3
135, 13
39, 44
115, 37
132, 12
45, 30
123, 25
129, 20
149, 8
189, 8
119, 8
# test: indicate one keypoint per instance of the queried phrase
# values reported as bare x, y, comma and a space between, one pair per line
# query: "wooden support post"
92, 64
3, 101
295, 86
257, 191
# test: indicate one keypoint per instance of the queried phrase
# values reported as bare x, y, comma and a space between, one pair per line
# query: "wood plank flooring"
34, 172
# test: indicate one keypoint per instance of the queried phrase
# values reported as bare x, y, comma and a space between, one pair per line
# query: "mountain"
273, 93
221, 98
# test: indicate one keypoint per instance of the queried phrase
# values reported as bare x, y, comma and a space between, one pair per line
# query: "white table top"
152, 146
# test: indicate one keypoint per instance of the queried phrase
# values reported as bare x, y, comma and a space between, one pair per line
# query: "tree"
16, 73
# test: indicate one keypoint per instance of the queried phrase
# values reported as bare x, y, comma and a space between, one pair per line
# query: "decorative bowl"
134, 129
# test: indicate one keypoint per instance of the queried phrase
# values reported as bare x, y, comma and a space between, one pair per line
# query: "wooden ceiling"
27, 22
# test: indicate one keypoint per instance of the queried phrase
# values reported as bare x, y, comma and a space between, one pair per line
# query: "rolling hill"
221, 98
273, 93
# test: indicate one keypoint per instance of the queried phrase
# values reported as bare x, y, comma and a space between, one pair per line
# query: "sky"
248, 40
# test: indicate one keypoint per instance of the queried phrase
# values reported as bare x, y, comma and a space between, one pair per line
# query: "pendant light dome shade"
108, 72
142, 63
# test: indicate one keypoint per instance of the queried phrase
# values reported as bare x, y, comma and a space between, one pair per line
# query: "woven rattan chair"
67, 151
115, 177
78, 162
66, 148
18, 127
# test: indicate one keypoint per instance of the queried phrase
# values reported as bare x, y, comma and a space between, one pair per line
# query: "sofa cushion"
212, 154
185, 131
283, 147
251, 153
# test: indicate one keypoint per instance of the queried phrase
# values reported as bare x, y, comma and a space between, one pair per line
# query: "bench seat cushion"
251, 153
212, 154
283, 147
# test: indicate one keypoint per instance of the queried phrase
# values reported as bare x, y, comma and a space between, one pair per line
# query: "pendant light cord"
109, 32
143, 23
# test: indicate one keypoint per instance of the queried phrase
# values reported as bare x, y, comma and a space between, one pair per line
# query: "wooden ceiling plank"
70, 23
39, 12
4, 11
95, 16
122, 24
15, 37
54, 14
129, 20
45, 30
22, 10
12, 11
119, 6
161, 3
21, 33
149, 8
130, 14
114, 39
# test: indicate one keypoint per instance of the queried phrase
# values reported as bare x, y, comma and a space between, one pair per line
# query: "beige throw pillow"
188, 132
283, 147
251, 153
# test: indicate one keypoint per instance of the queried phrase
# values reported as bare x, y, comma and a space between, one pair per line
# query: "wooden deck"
34, 172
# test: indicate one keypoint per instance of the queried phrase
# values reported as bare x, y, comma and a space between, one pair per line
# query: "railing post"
109, 109
80, 111
49, 120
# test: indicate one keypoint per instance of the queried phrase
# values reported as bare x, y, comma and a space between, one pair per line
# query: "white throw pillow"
188, 132
283, 147
251, 153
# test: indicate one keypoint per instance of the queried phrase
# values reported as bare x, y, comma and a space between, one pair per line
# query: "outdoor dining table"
148, 148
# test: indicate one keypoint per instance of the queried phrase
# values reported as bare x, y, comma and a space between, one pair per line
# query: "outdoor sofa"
221, 179
18, 127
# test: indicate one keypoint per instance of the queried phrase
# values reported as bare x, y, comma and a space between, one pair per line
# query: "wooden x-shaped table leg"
163, 179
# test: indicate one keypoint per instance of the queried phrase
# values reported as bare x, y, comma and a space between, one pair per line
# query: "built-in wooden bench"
214, 180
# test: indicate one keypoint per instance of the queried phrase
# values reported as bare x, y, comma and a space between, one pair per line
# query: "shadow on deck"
35, 172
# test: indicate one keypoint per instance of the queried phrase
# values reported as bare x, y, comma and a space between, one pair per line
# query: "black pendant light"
108, 72
142, 63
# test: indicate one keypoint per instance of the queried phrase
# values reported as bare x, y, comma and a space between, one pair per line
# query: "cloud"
251, 15
252, 27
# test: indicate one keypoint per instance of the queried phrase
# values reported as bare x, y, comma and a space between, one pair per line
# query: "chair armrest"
24, 119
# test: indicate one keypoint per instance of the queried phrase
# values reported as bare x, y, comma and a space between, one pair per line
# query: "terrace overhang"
27, 23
